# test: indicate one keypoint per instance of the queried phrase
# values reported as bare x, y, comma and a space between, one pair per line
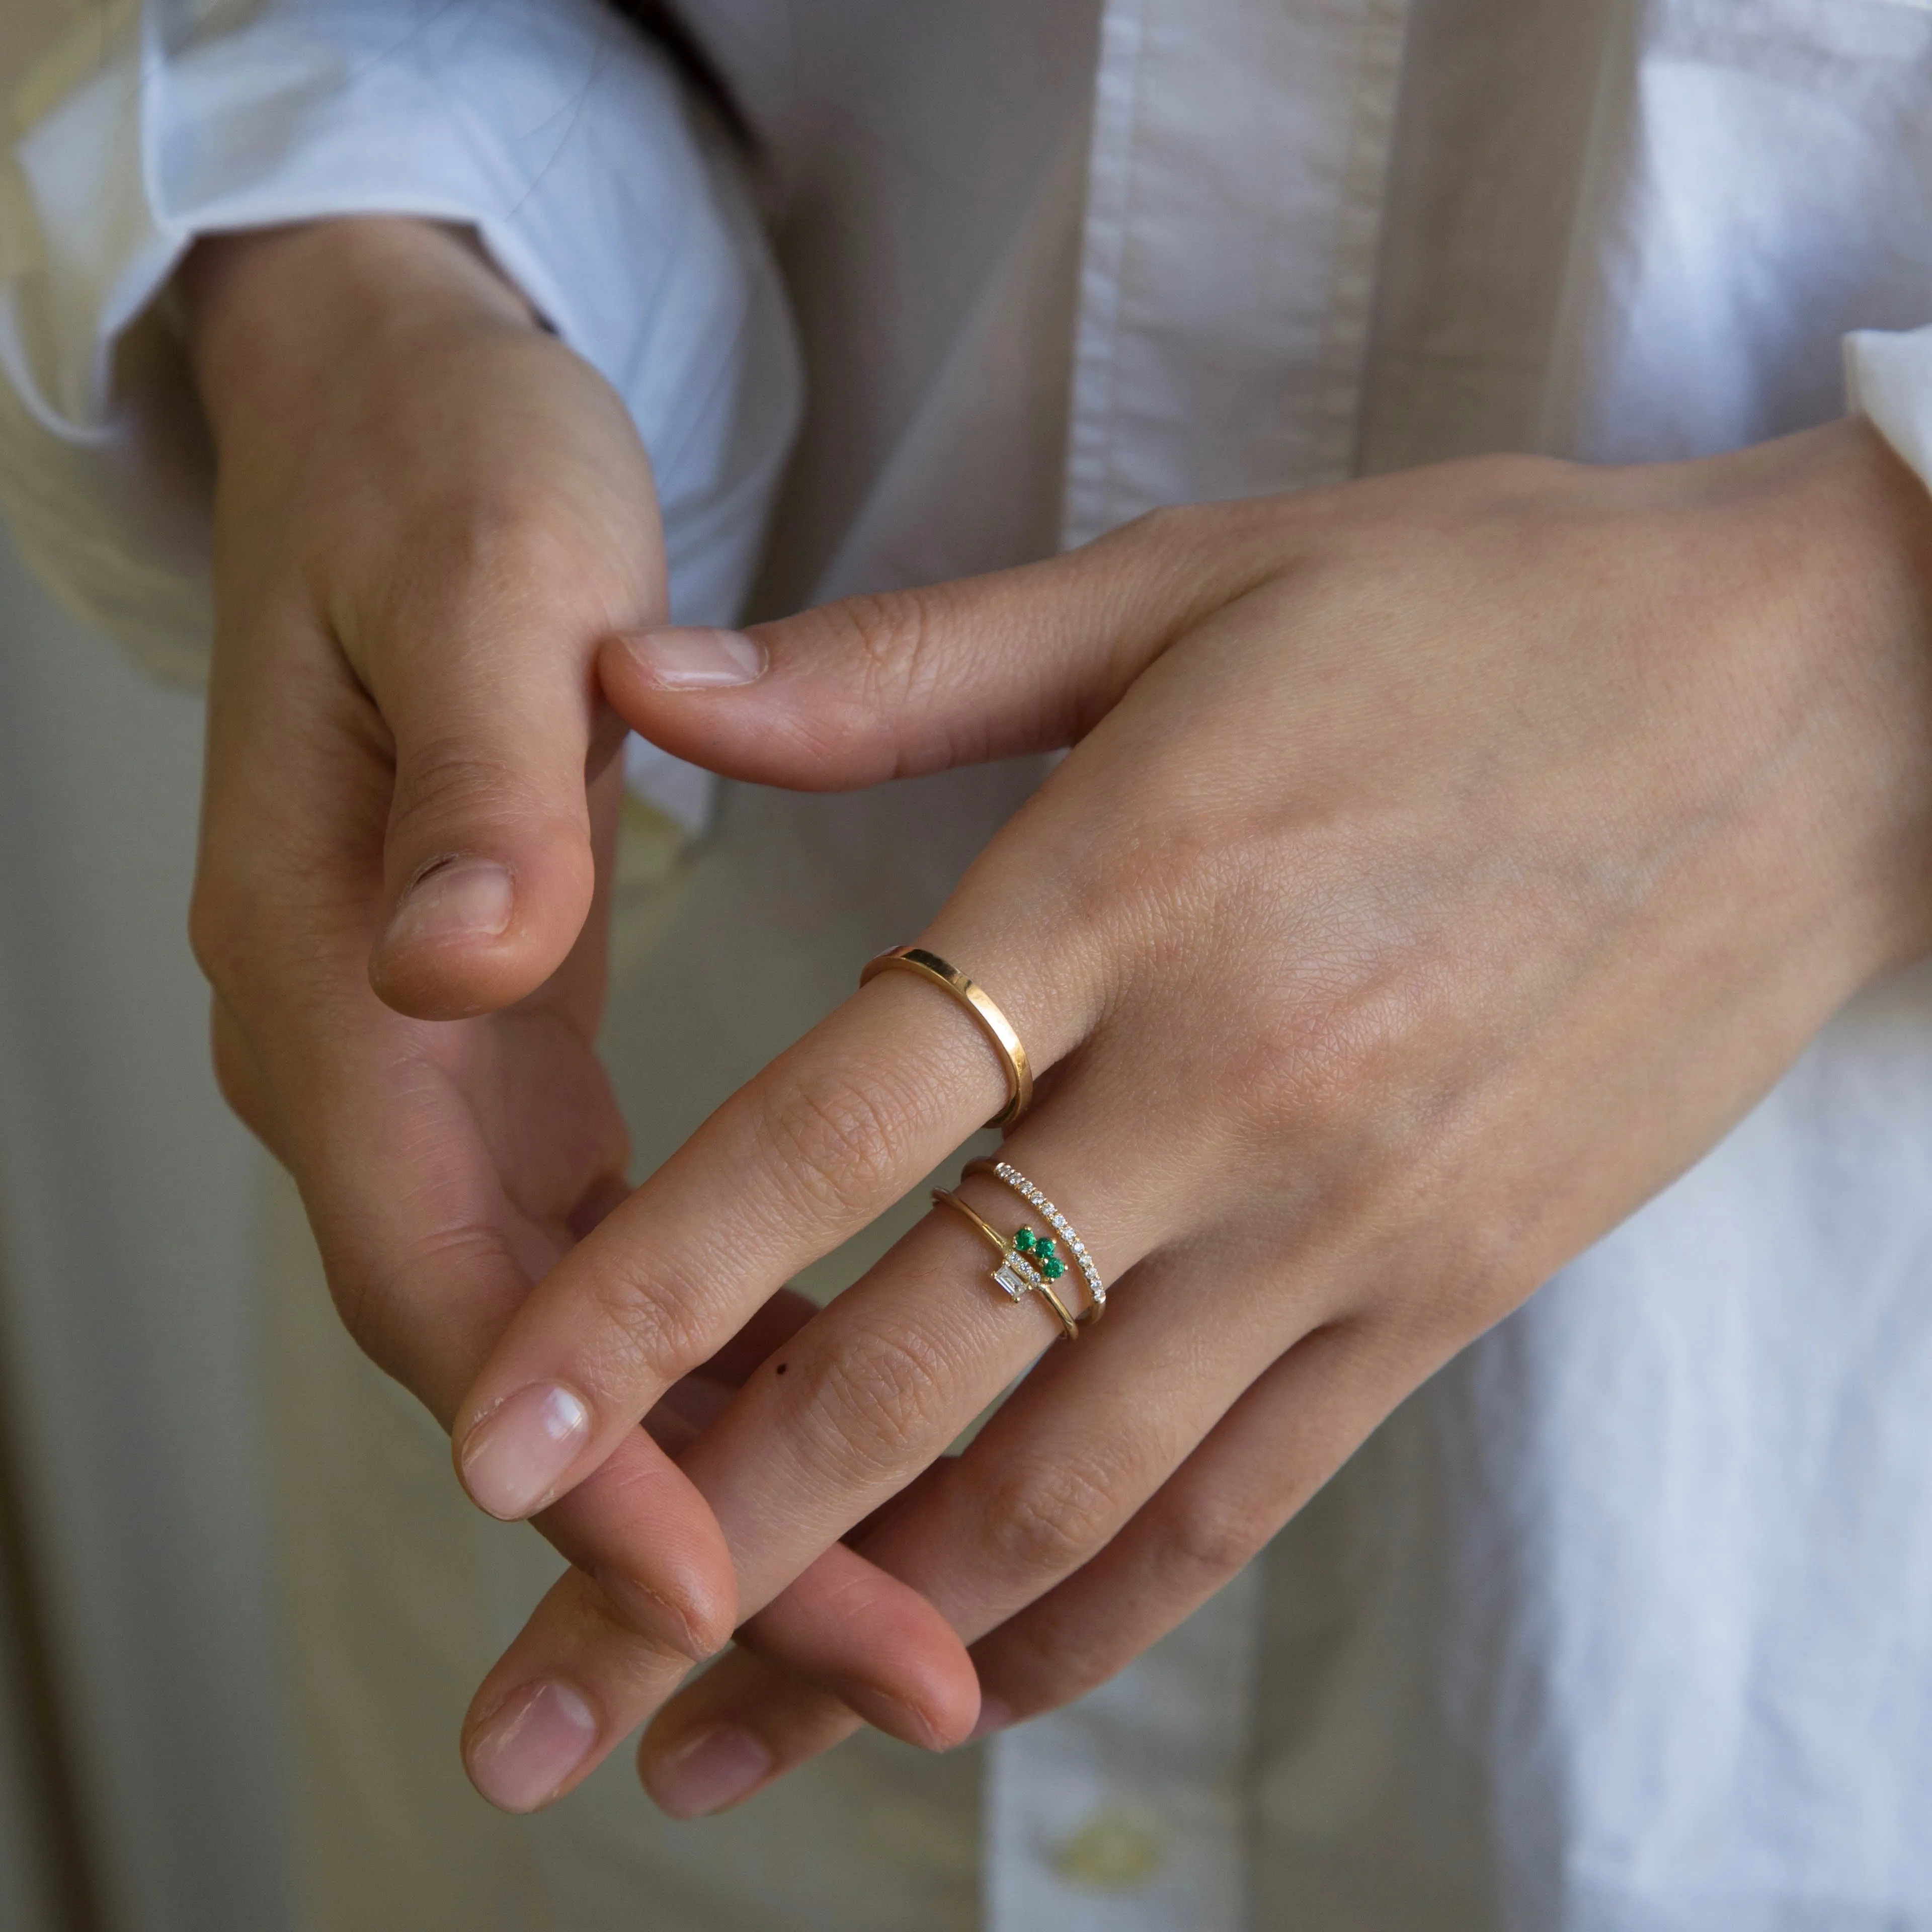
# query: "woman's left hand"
1443, 864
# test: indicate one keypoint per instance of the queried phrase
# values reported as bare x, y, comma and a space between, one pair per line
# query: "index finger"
805, 1155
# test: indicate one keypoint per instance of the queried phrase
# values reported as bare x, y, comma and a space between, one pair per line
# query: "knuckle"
217, 931
1176, 527
1327, 1057
446, 781
1046, 1517
887, 635
1336, 1059
1516, 474
237, 1075
209, 936
373, 1299
882, 1397
1204, 554
380, 1296
516, 547
836, 1144
370, 1322
1054, 1653
501, 556
1207, 1540
649, 1327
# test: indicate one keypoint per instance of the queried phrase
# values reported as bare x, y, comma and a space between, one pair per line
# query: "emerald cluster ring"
1030, 1262
1044, 1245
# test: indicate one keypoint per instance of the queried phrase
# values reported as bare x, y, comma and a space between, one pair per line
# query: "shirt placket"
1128, 1811
1236, 181
1237, 176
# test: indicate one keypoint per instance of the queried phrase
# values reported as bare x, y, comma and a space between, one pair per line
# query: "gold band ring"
993, 1023
1004, 1171
1016, 1276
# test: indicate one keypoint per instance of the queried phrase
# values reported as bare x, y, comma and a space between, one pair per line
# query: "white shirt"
1624, 1624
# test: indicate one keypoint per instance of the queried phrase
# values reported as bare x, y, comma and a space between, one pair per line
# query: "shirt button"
1111, 1851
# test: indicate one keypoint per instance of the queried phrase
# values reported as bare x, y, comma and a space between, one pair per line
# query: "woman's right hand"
429, 514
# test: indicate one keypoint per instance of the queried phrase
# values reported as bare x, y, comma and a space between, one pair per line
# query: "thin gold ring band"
1031, 1282
980, 1004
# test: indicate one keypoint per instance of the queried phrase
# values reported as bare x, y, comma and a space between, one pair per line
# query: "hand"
1443, 863
429, 513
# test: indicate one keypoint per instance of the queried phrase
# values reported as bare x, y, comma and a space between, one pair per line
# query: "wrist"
1860, 520
270, 310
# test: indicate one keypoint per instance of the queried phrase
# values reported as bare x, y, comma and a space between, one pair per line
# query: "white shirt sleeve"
547, 125
1889, 380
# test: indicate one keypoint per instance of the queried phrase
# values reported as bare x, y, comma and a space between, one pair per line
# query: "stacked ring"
994, 1023
1096, 1289
1018, 1273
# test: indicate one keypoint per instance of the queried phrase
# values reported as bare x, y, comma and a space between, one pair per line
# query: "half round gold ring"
978, 1003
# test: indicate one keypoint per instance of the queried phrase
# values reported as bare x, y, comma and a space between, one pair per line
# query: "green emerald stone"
1023, 1240
1045, 1244
1052, 1269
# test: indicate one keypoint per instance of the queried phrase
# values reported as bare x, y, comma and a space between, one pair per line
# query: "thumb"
883, 687
488, 868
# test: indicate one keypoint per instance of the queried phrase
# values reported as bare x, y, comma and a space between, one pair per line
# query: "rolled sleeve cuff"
547, 126
1889, 381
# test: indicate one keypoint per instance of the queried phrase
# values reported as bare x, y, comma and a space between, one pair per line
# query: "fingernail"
708, 1772
515, 1457
455, 899
993, 1716
697, 657
539, 1736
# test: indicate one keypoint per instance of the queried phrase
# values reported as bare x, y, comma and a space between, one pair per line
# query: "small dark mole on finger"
781, 1369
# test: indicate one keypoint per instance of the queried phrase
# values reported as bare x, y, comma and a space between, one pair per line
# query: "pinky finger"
1265, 1458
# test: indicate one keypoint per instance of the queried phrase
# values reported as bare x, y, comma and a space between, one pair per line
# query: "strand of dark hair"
662, 22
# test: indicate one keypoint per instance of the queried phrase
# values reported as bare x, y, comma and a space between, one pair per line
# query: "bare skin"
1442, 864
